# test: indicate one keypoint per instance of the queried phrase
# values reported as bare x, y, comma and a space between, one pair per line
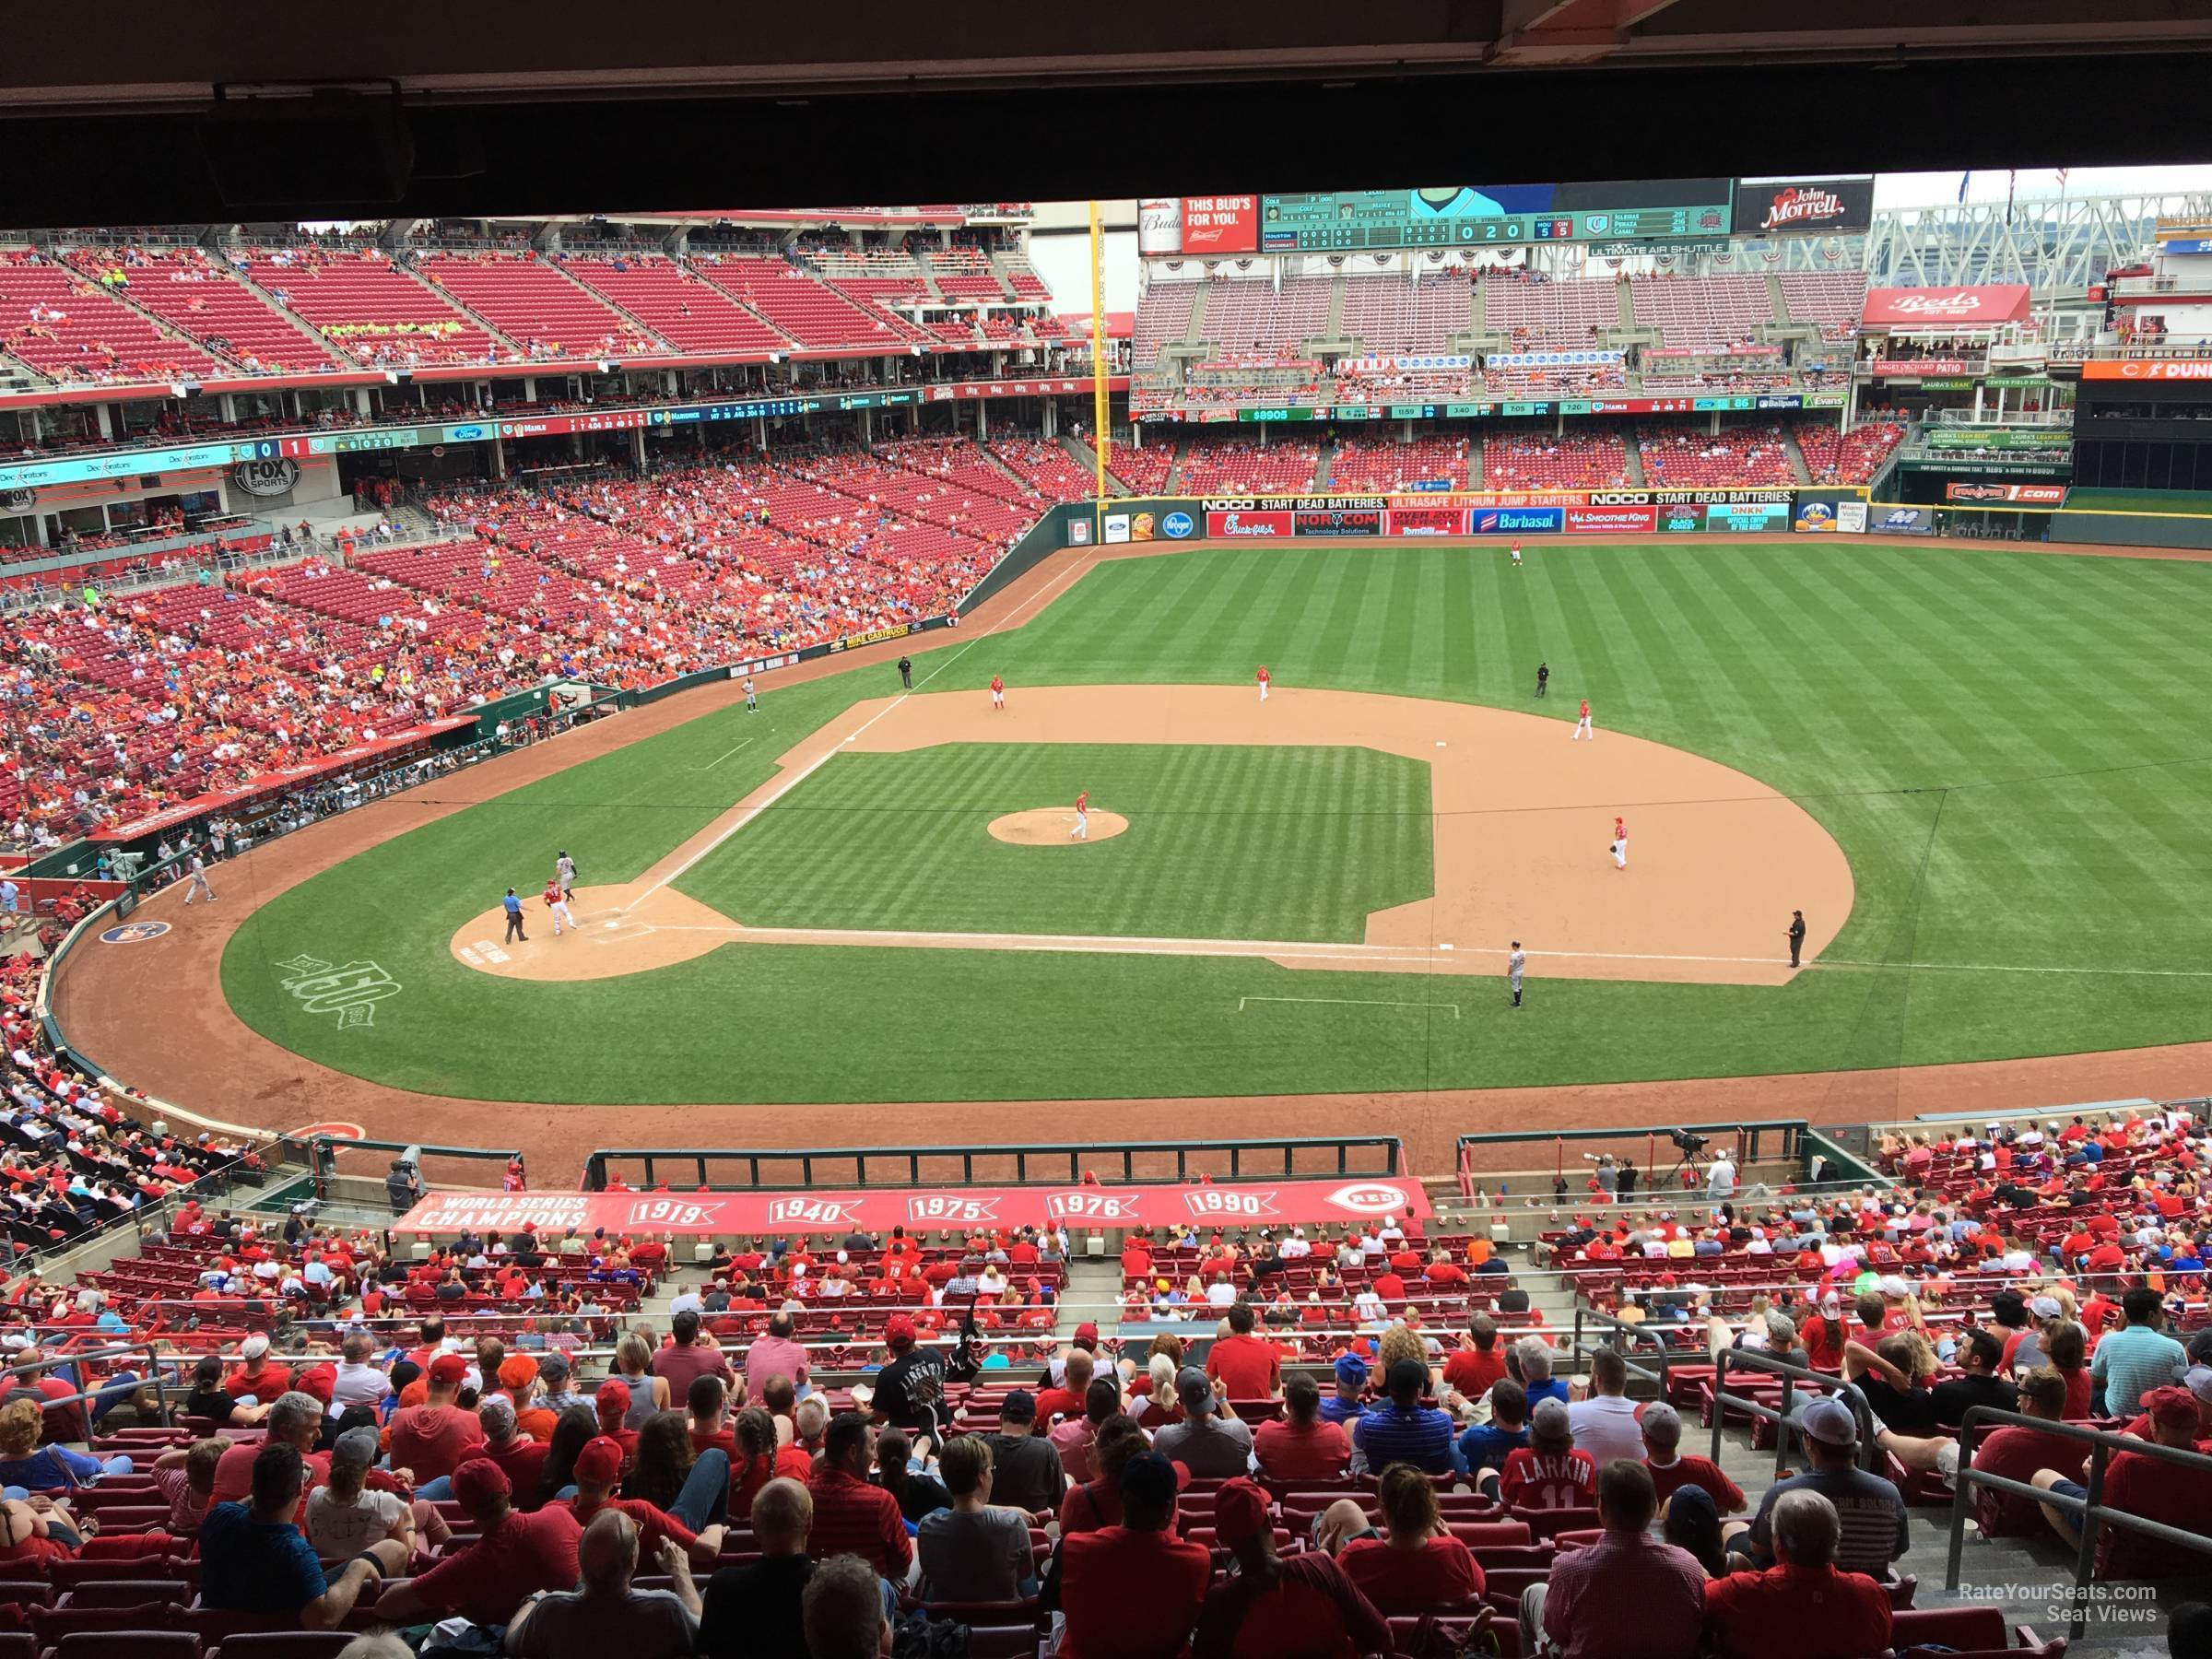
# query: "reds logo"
1370, 1198
1963, 304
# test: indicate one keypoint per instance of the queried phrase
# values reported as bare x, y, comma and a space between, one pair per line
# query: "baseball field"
1982, 775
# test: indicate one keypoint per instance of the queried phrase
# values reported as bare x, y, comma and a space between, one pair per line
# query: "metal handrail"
2091, 1508
1823, 1383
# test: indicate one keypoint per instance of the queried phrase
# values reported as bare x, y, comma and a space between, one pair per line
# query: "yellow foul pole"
1101, 410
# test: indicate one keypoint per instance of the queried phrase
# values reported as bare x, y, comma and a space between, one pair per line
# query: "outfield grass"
2008, 747
1231, 842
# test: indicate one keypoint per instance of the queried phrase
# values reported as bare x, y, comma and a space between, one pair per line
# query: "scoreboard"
1479, 216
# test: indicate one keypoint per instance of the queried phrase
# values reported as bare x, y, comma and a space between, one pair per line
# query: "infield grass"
2010, 748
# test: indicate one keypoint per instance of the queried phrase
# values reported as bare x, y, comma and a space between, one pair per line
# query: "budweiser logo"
1801, 204
1964, 302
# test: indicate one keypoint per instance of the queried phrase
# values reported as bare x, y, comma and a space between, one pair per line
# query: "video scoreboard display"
1477, 216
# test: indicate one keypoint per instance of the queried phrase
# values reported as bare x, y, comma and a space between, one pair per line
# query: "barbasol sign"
1517, 521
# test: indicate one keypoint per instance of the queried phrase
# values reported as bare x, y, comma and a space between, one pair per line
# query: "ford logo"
463, 434
1176, 525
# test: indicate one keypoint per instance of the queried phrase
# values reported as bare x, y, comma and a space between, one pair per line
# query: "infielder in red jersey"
1581, 727
1621, 843
1262, 677
998, 692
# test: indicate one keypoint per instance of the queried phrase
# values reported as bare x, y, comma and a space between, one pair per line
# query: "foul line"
1348, 1001
795, 779
718, 759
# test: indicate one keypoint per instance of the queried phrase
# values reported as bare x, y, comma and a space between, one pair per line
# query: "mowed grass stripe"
1230, 842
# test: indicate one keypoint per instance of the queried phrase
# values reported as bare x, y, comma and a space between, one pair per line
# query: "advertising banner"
1247, 524
1731, 520
1999, 438
1936, 309
1516, 521
1220, 224
1617, 521
1116, 528
1903, 521
1882, 368
1426, 521
1355, 521
1684, 518
1851, 517
2019, 495
2139, 369
1815, 516
1842, 206
758, 1215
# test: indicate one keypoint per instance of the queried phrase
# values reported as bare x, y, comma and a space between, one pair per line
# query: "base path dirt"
154, 1016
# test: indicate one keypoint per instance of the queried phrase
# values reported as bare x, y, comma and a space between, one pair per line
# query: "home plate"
612, 925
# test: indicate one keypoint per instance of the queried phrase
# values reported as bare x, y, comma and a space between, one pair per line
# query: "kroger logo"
1176, 525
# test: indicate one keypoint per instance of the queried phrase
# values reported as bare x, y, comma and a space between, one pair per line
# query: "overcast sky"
1921, 189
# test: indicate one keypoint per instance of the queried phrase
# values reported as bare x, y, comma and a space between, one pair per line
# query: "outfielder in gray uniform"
1516, 962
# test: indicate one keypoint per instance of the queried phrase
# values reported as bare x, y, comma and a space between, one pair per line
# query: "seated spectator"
252, 1559
1072, 1437
607, 1614
918, 1494
1210, 1441
692, 1519
1549, 1473
24, 1464
1472, 1368
434, 1437
1625, 1596
974, 1551
2150, 1487
1097, 1502
691, 1354
762, 1460
1803, 1606
1671, 1468
852, 1515
1272, 1606
185, 1476
2139, 1357
1694, 1524
1484, 1448
521, 1458
1604, 1424
1027, 1471
707, 1415
1416, 1566
752, 1610
344, 1517
1246, 1367
1887, 1375
1404, 1430
515, 1555
2016, 1454
1066, 1398
1869, 1509
1531, 1359
578, 1426
1348, 1401
1092, 1575
296, 1420
842, 1612
1298, 1445
210, 1400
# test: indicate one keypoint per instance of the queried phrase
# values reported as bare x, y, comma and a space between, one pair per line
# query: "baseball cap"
2198, 1381
1892, 1285
356, 1446
1830, 1421
2043, 1307
478, 1481
2175, 1407
1020, 1406
1350, 1368
1661, 1424
898, 1328
1549, 1418
1086, 1331
1149, 1479
1193, 1387
447, 1369
612, 1399
1239, 1511
318, 1382
253, 1347
517, 1370
553, 1366
496, 1415
600, 1461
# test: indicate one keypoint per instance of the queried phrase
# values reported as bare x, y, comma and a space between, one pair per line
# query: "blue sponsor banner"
1902, 520
1765, 515
1518, 521
1176, 525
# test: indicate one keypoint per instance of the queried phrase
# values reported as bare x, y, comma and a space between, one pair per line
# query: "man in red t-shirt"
1246, 1368
1474, 1366
1802, 1605
1133, 1591
517, 1555
2148, 1487
1066, 1400
1303, 1604
598, 1467
850, 1515
294, 1419
434, 1438
1300, 1446
1671, 1468
2016, 1453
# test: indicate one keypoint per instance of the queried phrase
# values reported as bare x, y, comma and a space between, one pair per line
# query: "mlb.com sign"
1517, 521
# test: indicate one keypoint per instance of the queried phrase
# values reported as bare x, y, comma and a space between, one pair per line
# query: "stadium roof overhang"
170, 114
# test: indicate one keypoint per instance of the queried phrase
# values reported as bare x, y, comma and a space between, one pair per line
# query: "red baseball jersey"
1585, 707
1082, 800
1263, 676
1620, 829
998, 684
552, 893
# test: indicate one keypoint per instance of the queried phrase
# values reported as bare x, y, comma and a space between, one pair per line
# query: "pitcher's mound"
1055, 827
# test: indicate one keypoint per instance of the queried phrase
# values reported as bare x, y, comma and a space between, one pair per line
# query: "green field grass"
1224, 843
2008, 747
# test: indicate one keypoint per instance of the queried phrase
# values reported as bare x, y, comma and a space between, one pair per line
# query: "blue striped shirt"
1419, 1435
